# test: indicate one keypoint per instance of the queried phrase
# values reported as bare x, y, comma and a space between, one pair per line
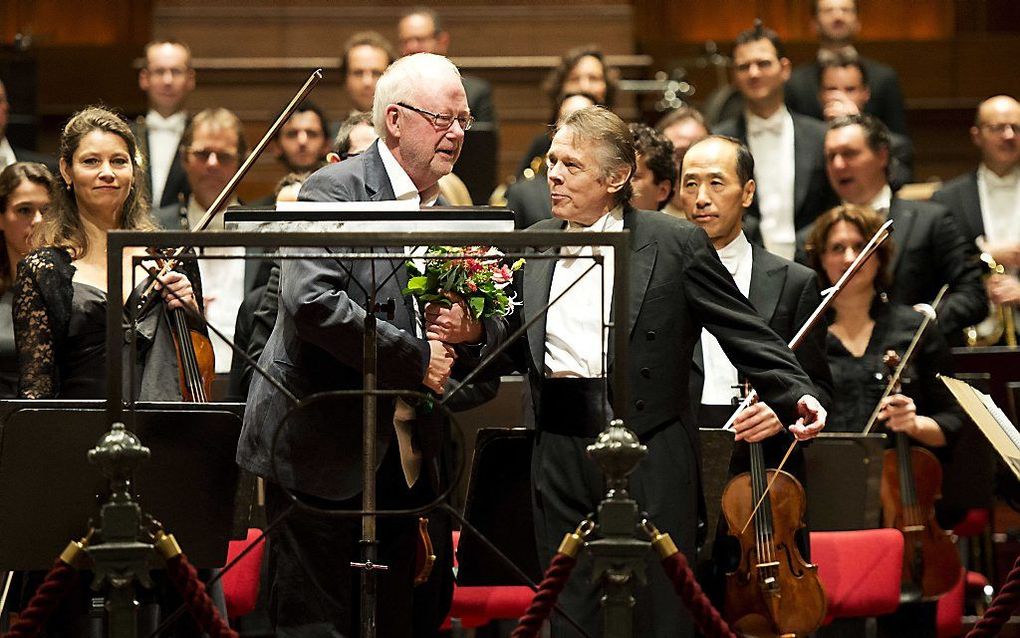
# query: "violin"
773, 592
196, 363
911, 483
194, 350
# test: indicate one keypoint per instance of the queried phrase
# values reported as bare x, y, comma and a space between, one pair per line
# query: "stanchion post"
618, 556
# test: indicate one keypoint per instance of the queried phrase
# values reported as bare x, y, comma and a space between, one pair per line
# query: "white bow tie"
172, 124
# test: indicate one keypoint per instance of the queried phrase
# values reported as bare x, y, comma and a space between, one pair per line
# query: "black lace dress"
60, 331
8, 353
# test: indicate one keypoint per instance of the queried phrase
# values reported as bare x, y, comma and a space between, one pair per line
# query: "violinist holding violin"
865, 325
60, 291
867, 336
716, 186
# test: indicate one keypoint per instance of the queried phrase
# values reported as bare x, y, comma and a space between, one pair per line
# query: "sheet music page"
990, 420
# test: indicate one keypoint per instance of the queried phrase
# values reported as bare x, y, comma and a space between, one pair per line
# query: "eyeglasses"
203, 155
1001, 128
442, 121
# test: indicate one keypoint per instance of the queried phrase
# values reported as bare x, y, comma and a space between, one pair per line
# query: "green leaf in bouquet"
477, 306
416, 285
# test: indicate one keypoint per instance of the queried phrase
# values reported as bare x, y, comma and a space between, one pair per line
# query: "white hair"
403, 80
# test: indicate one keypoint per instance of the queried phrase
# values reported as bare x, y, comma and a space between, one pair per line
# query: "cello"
911, 483
773, 592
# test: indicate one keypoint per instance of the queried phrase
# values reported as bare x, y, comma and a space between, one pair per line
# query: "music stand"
991, 420
500, 486
716, 452
117, 241
848, 465
49, 491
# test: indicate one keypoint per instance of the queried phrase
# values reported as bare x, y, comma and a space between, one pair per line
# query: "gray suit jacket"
316, 346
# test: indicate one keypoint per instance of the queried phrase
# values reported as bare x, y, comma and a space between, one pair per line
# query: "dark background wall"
251, 55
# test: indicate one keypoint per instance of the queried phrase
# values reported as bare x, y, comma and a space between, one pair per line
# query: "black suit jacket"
886, 101
176, 179
316, 346
932, 251
785, 294
529, 200
50, 162
812, 193
960, 195
479, 97
677, 286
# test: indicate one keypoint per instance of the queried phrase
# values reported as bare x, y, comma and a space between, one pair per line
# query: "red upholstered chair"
241, 583
949, 610
860, 570
478, 606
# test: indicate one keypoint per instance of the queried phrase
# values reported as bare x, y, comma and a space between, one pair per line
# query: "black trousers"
314, 591
567, 486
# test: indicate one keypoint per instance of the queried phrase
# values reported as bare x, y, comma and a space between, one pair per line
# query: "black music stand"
498, 504
716, 452
49, 491
848, 466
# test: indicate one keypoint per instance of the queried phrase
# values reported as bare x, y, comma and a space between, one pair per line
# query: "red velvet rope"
706, 618
32, 620
192, 590
1002, 606
553, 582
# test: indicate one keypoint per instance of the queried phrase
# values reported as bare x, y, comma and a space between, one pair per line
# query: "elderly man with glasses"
420, 113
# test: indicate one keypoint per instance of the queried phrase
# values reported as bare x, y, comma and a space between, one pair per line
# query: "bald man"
987, 201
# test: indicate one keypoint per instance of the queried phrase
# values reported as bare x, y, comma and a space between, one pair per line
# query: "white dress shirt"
404, 413
882, 201
720, 374
164, 137
222, 288
575, 332
771, 143
1000, 204
6, 154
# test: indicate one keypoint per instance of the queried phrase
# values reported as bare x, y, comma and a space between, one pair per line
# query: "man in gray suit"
677, 286
420, 112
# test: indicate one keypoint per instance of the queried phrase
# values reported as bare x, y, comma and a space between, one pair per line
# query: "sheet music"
990, 419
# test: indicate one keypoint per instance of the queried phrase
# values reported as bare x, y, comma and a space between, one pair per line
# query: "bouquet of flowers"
477, 274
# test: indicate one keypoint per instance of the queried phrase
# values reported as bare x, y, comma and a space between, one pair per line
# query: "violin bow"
221, 200
828, 296
929, 313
